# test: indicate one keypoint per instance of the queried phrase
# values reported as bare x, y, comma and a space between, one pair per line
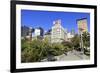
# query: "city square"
56, 43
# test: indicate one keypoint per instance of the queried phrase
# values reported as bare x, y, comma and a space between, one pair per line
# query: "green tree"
57, 49
75, 41
86, 39
40, 46
67, 46
33, 51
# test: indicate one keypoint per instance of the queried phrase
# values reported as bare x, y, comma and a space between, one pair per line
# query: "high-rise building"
24, 31
82, 25
58, 34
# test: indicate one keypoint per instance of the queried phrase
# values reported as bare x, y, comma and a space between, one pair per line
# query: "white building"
69, 36
37, 32
58, 34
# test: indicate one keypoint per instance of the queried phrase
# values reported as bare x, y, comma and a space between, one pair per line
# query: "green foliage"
30, 51
86, 39
24, 44
29, 55
76, 41
36, 50
67, 44
86, 43
57, 49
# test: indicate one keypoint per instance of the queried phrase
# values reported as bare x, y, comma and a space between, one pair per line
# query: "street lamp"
82, 49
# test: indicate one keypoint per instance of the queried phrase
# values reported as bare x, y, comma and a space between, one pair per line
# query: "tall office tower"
82, 25
58, 34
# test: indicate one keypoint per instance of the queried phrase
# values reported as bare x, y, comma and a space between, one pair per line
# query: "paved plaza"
72, 55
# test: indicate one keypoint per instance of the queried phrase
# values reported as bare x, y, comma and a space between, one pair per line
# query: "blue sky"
44, 19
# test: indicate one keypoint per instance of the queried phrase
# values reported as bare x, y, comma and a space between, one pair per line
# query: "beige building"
82, 25
58, 34
69, 36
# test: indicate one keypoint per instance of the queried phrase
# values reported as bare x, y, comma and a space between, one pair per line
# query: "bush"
36, 50
67, 46
57, 49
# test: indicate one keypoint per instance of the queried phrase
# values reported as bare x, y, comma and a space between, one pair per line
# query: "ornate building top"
57, 22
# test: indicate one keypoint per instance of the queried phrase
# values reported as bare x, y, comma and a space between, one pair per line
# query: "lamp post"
82, 49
